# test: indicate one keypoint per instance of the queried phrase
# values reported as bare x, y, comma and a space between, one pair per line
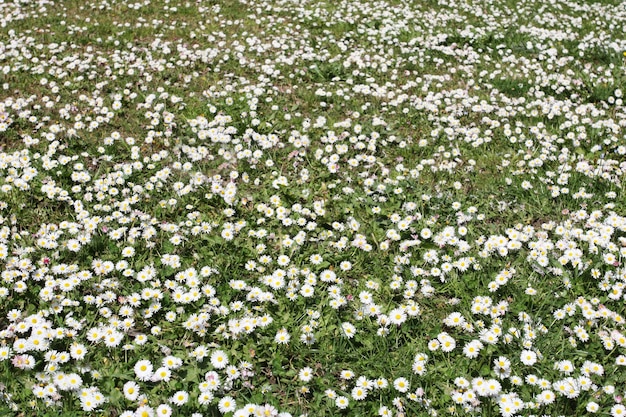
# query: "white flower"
342, 402
305, 374
397, 316
348, 330
143, 370
282, 337
472, 349
74, 381
433, 345
205, 398
384, 412
546, 397
346, 374
131, 390
316, 259
172, 362
164, 410
618, 410
401, 384
232, 372
226, 405
446, 341
219, 360
265, 410
345, 266
358, 393
528, 357
328, 276
144, 410
5, 353
592, 407
162, 374
78, 351
180, 398
283, 260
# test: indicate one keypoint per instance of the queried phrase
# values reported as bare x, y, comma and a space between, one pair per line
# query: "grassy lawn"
310, 208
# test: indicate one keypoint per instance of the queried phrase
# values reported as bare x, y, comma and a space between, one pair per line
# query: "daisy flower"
401, 384
346, 374
381, 383
162, 374
305, 374
226, 405
528, 357
131, 390
205, 398
163, 410
342, 402
348, 330
592, 407
219, 360
618, 410
282, 337
397, 316
358, 393
143, 370
179, 398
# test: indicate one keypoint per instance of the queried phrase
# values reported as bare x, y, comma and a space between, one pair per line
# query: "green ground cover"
309, 208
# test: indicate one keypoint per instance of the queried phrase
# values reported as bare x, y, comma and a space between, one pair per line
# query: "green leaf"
192, 374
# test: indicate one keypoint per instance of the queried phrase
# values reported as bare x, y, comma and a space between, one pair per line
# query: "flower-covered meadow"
309, 208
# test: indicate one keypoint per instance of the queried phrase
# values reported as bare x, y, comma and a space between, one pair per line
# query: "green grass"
429, 156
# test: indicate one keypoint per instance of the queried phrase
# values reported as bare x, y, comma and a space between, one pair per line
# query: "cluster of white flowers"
185, 203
